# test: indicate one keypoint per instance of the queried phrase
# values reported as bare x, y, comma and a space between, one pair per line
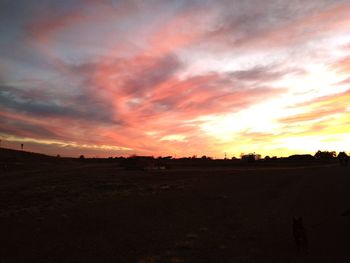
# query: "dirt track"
100, 213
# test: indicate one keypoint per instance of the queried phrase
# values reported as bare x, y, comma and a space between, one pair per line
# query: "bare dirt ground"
78, 212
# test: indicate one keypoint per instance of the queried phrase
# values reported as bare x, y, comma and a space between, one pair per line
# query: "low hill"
15, 155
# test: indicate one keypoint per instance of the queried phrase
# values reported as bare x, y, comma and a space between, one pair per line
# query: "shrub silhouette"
301, 157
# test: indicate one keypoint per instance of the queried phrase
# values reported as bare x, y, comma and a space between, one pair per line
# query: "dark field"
67, 210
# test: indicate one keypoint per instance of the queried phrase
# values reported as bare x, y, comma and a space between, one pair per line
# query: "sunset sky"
109, 78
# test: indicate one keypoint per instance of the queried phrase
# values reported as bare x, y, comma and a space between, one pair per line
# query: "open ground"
73, 211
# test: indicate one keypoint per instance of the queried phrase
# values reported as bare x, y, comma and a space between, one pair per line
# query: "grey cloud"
241, 23
259, 74
42, 104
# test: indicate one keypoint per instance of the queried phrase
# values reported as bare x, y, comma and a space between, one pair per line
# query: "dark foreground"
78, 212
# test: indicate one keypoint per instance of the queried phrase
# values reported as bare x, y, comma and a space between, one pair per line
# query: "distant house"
250, 157
143, 163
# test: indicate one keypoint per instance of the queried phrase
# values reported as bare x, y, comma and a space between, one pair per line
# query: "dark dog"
300, 235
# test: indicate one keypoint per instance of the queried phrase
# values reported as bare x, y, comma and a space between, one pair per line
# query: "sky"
181, 78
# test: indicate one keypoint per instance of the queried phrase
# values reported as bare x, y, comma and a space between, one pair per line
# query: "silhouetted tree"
325, 155
343, 158
81, 157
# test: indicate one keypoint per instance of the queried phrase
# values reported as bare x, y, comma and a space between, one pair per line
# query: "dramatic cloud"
175, 77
